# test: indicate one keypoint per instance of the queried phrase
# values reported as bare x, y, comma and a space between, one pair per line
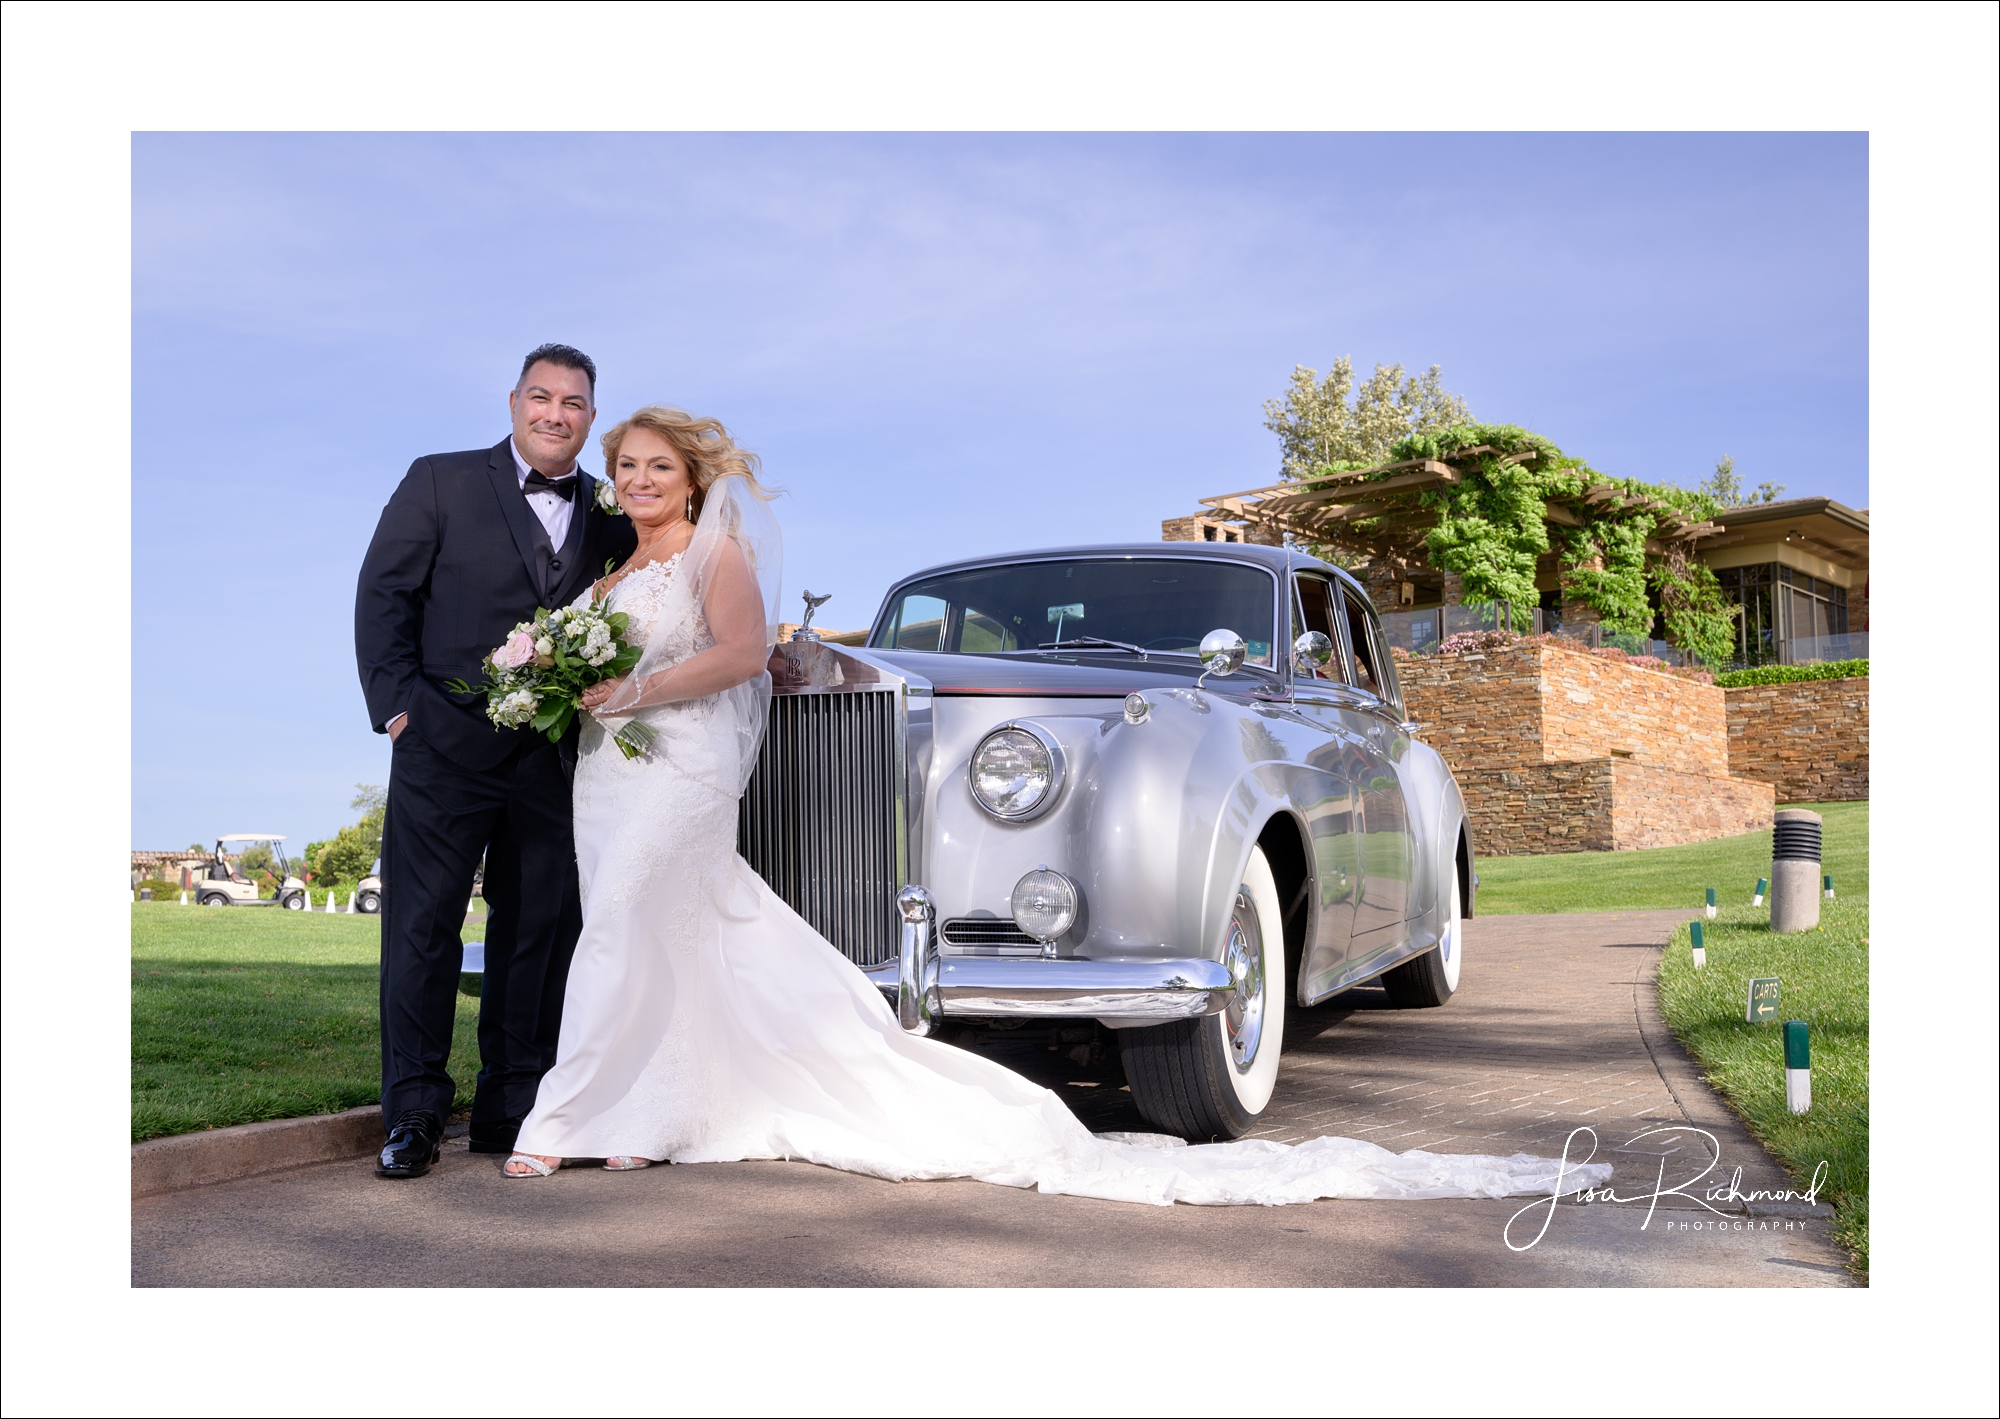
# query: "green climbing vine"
1493, 528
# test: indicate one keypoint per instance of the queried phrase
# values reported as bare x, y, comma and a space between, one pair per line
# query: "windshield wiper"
1086, 642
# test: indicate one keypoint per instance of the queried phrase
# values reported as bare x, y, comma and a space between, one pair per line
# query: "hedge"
1789, 674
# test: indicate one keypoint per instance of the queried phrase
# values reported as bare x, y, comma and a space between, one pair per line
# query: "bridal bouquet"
538, 676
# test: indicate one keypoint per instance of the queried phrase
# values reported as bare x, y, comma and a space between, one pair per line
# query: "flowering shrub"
1465, 641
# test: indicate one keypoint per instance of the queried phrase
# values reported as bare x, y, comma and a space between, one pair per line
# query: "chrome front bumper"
925, 988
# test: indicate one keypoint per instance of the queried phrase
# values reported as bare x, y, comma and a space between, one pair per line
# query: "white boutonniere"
607, 498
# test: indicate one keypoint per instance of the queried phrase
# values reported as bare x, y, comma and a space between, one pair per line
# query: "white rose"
545, 646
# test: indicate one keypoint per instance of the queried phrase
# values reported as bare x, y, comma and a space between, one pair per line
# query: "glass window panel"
1161, 604
918, 624
1360, 659
1316, 605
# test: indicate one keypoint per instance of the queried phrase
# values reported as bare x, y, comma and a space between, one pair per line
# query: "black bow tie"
563, 487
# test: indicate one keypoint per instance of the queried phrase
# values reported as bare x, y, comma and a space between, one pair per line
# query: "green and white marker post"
1700, 954
1757, 892
1827, 882
1798, 1067
1711, 904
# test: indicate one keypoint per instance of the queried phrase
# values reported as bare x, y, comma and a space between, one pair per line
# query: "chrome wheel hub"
1244, 958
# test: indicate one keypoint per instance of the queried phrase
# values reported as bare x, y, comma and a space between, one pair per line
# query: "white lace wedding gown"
706, 1022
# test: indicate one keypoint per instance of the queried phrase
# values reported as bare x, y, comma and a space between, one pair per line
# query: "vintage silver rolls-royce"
1164, 788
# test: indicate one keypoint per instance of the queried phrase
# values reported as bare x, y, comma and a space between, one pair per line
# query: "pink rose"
519, 650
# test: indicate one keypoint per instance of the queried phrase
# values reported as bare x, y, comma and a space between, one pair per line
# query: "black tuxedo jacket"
454, 565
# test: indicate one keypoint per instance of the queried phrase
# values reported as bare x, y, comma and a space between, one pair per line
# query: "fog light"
1044, 904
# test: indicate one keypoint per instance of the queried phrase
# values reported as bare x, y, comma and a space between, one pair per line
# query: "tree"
1726, 488
348, 855
1322, 423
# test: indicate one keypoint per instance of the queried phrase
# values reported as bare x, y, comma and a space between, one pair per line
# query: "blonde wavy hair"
703, 444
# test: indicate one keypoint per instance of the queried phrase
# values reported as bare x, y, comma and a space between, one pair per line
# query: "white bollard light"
1798, 1067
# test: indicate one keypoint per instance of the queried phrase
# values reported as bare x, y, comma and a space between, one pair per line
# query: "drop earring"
690, 505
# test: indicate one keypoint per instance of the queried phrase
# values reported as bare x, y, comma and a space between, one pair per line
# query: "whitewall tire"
1212, 1077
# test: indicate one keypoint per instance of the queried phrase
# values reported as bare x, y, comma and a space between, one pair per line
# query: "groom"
470, 544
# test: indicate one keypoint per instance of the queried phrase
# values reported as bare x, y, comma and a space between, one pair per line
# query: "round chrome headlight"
1015, 772
1044, 904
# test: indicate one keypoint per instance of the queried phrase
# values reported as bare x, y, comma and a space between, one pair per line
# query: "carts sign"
1762, 1004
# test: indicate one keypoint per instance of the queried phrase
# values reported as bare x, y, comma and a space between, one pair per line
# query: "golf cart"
221, 885
368, 892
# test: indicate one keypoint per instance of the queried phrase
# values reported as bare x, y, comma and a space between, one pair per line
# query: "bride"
706, 1022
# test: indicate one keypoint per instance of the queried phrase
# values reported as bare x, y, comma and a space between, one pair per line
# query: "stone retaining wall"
1559, 750
1605, 805
1808, 740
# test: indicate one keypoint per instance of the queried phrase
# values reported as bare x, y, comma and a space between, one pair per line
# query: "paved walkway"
1554, 1028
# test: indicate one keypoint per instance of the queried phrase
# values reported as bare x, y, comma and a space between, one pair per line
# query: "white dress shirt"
553, 511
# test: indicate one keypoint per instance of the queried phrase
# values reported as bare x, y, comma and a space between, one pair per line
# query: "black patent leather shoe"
415, 1143
495, 1137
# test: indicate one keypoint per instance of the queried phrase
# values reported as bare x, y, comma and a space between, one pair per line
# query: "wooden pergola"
1332, 509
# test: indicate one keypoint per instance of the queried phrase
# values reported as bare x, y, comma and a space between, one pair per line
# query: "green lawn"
244, 1014
1825, 975
1667, 876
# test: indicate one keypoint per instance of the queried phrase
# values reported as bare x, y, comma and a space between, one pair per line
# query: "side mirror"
1312, 651
1222, 653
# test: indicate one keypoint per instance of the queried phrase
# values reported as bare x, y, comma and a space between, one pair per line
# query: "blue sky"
941, 345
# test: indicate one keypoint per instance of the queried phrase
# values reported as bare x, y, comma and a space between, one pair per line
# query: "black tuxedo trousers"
457, 560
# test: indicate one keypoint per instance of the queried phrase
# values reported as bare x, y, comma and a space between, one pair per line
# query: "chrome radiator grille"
822, 819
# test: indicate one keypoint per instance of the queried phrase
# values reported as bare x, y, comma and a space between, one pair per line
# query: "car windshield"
1152, 604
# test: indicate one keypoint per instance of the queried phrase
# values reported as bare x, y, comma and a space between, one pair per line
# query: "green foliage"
256, 859
1698, 616
351, 853
1726, 488
1329, 423
163, 891
348, 856
1493, 528
1792, 674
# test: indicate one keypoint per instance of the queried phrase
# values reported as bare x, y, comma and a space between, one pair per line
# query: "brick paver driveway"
1553, 1029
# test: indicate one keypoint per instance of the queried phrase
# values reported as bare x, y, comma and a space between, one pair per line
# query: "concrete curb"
226, 1154
1703, 1105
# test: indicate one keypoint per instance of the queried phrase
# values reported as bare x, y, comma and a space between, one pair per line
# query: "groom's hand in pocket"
396, 725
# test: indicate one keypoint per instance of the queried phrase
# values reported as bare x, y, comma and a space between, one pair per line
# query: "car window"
1315, 608
1360, 651
982, 632
918, 624
1157, 604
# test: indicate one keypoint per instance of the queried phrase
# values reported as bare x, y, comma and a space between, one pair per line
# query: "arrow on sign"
1762, 1003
